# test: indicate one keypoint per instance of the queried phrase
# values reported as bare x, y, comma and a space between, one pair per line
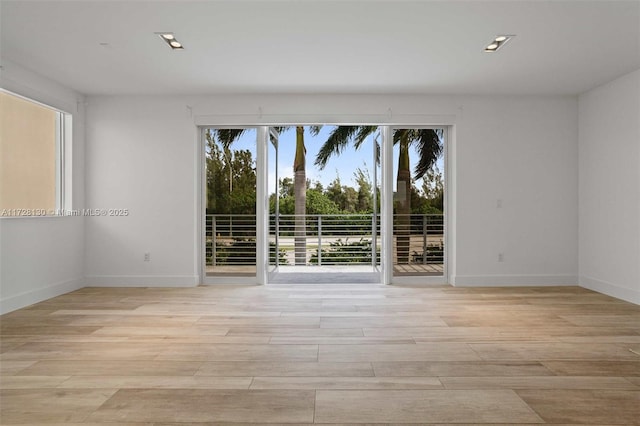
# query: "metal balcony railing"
340, 239
337, 239
418, 239
230, 240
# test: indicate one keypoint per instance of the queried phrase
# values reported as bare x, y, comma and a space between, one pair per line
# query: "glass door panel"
376, 245
418, 202
277, 255
230, 202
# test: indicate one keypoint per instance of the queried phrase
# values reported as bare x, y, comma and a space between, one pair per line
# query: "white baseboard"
513, 280
27, 298
626, 294
142, 280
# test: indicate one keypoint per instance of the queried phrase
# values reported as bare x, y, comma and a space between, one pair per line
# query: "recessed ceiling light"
498, 42
170, 39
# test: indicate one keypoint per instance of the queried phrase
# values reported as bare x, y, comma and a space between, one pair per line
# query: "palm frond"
398, 134
363, 133
429, 146
338, 139
228, 136
314, 130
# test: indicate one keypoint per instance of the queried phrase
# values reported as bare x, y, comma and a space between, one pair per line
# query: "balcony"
332, 241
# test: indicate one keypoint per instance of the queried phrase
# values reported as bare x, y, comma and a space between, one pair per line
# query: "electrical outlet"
500, 257
147, 257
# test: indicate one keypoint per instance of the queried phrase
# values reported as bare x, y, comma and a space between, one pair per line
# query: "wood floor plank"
600, 339
362, 383
380, 322
594, 368
461, 369
534, 382
396, 353
340, 341
304, 322
28, 382
546, 332
200, 405
8, 368
91, 338
552, 351
15, 320
598, 320
80, 351
135, 320
250, 340
9, 344
162, 331
422, 406
99, 312
238, 352
154, 382
42, 330
286, 369
585, 406
295, 332
496, 319
634, 380
51, 405
111, 368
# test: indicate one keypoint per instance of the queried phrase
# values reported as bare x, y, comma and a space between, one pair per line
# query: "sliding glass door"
390, 220
230, 193
418, 231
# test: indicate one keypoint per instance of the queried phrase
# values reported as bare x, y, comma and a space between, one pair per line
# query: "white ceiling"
304, 46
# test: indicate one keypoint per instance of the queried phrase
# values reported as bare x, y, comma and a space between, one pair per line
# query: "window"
31, 157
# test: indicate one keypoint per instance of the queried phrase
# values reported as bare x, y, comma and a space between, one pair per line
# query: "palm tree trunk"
403, 206
300, 193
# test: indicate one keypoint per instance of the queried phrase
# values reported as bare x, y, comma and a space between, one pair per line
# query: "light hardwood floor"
322, 354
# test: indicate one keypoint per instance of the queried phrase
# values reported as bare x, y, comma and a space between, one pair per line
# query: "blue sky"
343, 165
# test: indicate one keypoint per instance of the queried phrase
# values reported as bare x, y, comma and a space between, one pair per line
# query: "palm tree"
228, 136
429, 145
300, 196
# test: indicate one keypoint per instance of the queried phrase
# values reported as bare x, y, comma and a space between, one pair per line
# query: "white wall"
141, 155
609, 159
141, 158
43, 257
522, 151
